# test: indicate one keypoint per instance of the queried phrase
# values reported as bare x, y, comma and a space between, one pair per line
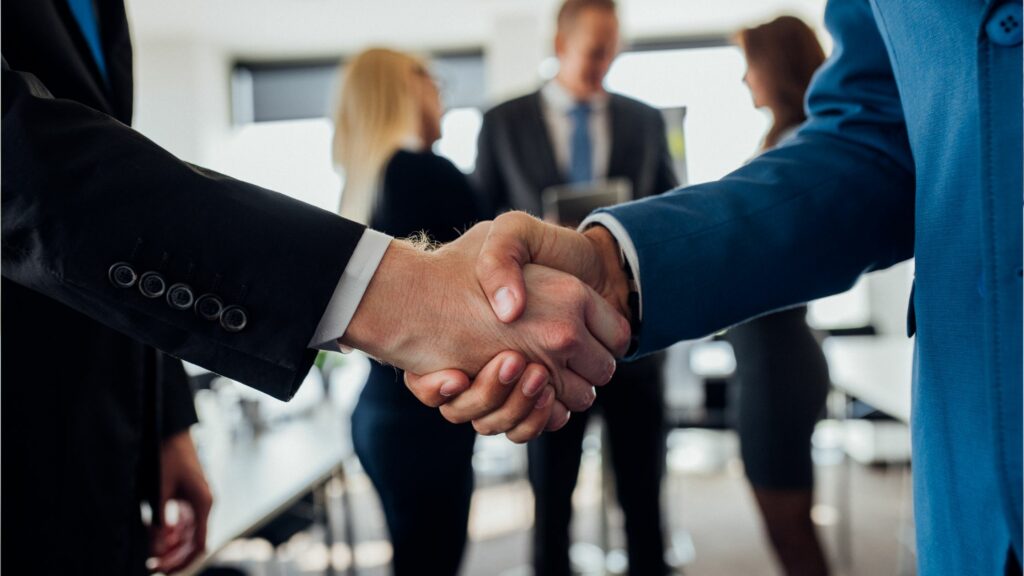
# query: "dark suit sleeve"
82, 191
799, 222
487, 176
177, 408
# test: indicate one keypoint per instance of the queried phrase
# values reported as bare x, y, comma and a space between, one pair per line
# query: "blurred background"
248, 87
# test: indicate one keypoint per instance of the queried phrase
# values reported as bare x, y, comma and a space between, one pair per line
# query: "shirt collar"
557, 99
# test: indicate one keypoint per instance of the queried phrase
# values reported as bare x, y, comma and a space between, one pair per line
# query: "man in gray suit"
572, 131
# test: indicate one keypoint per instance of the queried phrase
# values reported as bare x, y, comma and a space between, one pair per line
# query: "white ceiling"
294, 28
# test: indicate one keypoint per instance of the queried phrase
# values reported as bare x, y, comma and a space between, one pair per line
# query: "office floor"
711, 517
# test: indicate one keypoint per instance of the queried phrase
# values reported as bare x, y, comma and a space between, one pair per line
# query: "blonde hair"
377, 109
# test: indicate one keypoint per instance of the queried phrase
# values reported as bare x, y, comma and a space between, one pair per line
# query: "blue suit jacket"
912, 148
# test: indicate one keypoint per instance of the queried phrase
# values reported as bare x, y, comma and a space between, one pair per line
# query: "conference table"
257, 477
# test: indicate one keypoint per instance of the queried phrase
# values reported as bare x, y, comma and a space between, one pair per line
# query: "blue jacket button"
122, 275
180, 297
209, 307
152, 285
234, 319
1004, 25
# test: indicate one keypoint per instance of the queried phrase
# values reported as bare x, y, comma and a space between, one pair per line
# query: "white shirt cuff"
618, 231
349, 292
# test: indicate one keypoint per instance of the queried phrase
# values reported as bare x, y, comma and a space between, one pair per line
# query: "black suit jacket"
86, 397
516, 160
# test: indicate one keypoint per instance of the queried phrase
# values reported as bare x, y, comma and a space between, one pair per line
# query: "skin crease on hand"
425, 312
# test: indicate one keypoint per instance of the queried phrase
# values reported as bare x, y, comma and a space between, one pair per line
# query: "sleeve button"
122, 275
152, 285
234, 319
180, 297
209, 307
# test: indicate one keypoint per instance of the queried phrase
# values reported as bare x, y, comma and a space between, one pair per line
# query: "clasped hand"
553, 303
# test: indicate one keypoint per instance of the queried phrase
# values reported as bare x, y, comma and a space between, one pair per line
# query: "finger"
536, 421
500, 264
592, 361
517, 408
516, 239
201, 501
488, 392
559, 417
606, 324
436, 388
180, 542
575, 393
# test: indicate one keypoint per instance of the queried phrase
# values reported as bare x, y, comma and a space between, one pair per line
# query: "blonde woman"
388, 116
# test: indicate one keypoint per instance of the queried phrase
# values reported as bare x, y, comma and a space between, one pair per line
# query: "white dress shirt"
618, 231
349, 292
556, 104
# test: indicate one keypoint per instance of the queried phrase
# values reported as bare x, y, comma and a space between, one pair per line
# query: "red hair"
786, 53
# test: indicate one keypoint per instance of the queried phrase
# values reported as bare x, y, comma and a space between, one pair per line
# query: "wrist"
613, 284
380, 325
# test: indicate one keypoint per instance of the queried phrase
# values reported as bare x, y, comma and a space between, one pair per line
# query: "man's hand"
181, 479
426, 311
508, 396
516, 239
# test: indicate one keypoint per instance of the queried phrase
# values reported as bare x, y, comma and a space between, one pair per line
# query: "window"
281, 138
723, 129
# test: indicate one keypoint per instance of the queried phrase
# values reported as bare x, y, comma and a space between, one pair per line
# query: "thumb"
499, 267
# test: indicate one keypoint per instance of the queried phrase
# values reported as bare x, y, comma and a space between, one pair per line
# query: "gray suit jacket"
516, 161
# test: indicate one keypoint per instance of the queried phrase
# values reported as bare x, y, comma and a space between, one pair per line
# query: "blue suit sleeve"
799, 222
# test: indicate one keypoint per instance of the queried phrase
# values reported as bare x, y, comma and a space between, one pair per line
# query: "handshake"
535, 313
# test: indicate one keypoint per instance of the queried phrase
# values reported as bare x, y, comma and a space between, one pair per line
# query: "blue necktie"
85, 14
581, 159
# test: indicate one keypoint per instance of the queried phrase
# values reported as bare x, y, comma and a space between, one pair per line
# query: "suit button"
209, 307
1004, 25
122, 275
152, 285
180, 297
234, 319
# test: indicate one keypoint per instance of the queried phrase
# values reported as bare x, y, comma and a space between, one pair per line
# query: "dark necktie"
581, 158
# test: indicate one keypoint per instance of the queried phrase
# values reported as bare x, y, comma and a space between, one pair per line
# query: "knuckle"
562, 337
491, 402
484, 428
452, 415
622, 339
581, 400
522, 435
577, 290
488, 263
513, 219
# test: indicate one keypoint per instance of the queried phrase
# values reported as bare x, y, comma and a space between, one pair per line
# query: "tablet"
570, 204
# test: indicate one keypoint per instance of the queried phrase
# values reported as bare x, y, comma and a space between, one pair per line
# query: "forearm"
118, 197
793, 225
